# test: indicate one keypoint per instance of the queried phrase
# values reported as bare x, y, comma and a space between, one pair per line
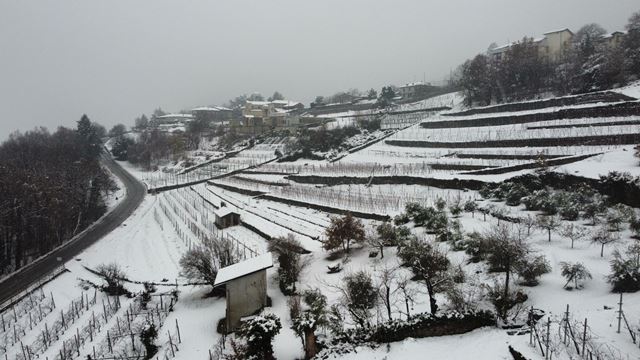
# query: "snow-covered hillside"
303, 199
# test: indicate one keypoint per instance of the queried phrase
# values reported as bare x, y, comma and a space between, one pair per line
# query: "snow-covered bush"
359, 296
290, 262
475, 246
471, 206
440, 204
113, 275
342, 231
401, 219
593, 208
575, 272
625, 270
258, 333
455, 209
508, 303
148, 336
614, 219
451, 234
514, 194
531, 268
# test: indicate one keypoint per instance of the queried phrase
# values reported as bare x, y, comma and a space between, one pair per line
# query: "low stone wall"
631, 108
533, 165
622, 139
328, 209
460, 184
607, 96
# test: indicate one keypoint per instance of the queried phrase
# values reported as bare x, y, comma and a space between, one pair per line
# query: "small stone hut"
225, 217
246, 288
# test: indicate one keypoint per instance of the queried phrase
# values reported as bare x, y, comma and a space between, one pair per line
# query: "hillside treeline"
590, 63
52, 186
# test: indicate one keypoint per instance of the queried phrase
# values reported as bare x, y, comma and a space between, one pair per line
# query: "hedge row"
419, 326
619, 187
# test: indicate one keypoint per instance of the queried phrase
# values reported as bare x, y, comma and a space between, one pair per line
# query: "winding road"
33, 272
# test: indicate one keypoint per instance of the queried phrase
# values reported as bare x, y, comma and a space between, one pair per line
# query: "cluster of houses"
256, 117
553, 45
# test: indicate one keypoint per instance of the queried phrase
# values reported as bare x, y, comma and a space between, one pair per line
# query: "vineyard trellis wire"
565, 335
184, 210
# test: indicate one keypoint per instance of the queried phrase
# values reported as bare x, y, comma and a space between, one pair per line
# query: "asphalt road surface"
30, 274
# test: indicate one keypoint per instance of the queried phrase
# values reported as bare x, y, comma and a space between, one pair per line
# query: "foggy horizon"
117, 60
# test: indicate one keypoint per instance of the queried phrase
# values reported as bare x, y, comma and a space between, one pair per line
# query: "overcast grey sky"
117, 59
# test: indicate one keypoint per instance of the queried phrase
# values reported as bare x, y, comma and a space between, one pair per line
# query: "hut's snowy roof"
244, 268
224, 211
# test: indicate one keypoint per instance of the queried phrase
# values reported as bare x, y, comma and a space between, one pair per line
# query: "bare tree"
203, 262
113, 275
548, 223
603, 237
574, 232
409, 293
429, 263
529, 222
386, 283
505, 251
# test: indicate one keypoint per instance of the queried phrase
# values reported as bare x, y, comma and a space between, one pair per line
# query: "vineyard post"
531, 325
133, 342
78, 340
23, 352
619, 313
546, 353
584, 336
46, 331
171, 344
91, 330
109, 342
178, 330
566, 324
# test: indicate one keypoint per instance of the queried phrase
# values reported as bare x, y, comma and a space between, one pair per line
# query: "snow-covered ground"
149, 245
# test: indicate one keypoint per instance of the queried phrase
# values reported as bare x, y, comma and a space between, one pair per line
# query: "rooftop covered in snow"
224, 211
244, 268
